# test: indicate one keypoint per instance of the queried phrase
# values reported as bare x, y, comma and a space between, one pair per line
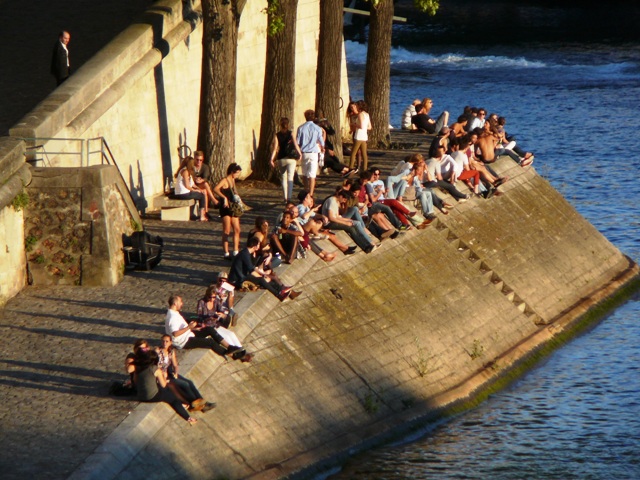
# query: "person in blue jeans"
350, 221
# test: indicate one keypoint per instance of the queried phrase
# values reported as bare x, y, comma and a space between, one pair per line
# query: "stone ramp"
424, 321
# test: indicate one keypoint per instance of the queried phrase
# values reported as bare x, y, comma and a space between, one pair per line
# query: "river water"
576, 106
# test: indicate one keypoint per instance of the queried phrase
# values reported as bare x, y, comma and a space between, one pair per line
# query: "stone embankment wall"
74, 226
378, 342
141, 93
14, 175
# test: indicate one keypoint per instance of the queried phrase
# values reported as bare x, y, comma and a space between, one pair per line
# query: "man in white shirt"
190, 335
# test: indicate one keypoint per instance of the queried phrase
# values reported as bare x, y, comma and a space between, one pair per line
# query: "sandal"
192, 421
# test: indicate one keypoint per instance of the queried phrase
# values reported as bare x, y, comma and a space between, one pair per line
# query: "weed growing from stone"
477, 350
370, 403
20, 201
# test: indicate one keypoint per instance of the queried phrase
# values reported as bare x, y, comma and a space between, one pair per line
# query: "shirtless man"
459, 128
487, 143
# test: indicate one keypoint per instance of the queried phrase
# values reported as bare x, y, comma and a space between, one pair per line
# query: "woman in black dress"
226, 190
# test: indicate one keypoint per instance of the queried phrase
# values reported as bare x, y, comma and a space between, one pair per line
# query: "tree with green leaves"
377, 84
216, 127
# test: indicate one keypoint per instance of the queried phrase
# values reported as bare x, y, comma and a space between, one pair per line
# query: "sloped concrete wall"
378, 341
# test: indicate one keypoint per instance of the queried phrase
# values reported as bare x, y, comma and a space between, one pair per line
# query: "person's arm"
174, 363
217, 191
336, 218
274, 150
295, 144
160, 378
180, 331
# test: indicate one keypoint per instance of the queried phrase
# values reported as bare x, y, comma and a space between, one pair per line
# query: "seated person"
378, 195
181, 386
408, 113
461, 169
306, 208
261, 231
397, 179
186, 189
440, 168
152, 386
331, 160
424, 184
380, 213
208, 316
441, 139
286, 237
424, 123
243, 269
459, 128
191, 335
508, 142
351, 222
313, 227
479, 118
225, 298
202, 176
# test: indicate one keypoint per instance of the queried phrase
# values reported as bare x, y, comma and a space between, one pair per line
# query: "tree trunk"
279, 85
216, 129
329, 66
377, 88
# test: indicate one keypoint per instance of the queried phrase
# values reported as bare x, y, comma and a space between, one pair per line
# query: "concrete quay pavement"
63, 345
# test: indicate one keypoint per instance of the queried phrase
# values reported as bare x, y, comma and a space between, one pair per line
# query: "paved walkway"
63, 345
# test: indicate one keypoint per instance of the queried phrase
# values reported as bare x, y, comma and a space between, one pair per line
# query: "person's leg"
386, 210
398, 209
365, 158
167, 396
235, 224
182, 390
426, 201
205, 342
442, 121
226, 230
332, 162
197, 196
230, 337
312, 172
513, 155
283, 171
354, 151
189, 385
356, 232
455, 193
291, 172
262, 282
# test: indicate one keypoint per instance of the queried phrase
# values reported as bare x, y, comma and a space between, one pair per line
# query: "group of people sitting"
492, 139
368, 209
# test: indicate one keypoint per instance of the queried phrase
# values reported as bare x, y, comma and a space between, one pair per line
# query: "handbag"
237, 208
291, 151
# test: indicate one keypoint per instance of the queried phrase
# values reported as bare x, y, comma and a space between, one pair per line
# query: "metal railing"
84, 150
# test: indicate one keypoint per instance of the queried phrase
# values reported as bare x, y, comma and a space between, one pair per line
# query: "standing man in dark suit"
60, 67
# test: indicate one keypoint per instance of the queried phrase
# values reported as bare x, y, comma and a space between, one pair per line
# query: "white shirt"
174, 322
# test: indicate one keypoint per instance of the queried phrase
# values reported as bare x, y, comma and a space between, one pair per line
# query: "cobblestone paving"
63, 345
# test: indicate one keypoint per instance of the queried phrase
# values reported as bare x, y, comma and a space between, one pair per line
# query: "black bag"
291, 150
142, 251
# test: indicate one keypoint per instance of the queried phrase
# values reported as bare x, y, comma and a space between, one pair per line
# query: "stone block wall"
142, 92
74, 226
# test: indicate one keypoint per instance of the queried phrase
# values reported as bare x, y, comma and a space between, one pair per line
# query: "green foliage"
421, 363
135, 225
20, 201
477, 350
276, 18
30, 242
427, 6
370, 403
40, 259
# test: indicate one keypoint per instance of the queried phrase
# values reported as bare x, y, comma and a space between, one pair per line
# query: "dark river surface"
576, 105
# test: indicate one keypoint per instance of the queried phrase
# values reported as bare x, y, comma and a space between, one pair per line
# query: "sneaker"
394, 235
350, 250
227, 256
238, 354
425, 224
404, 228
489, 193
